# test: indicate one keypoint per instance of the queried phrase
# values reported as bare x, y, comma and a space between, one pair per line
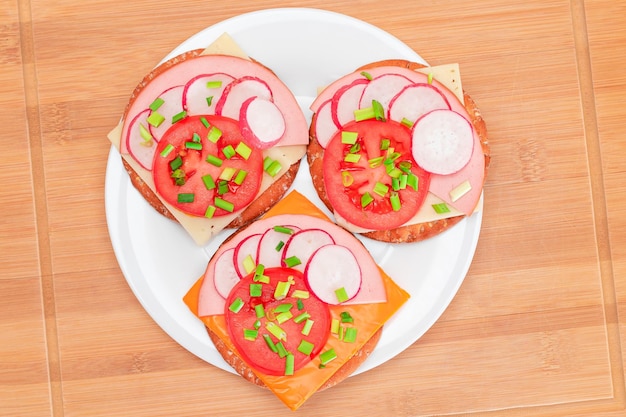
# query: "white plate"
307, 48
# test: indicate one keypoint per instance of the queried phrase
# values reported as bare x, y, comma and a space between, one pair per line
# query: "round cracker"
409, 233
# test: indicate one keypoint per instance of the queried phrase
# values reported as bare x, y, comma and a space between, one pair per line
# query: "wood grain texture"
538, 326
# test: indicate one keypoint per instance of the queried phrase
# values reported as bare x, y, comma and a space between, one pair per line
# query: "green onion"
308, 325
356, 148
283, 317
276, 330
292, 261
243, 150
441, 208
341, 294
193, 145
379, 111
460, 190
301, 294
352, 157
224, 205
259, 310
300, 304
282, 351
158, 102
375, 162
282, 308
248, 264
256, 290
208, 181
430, 78
402, 182
305, 347
240, 177
392, 157
283, 229
270, 343
381, 189
214, 84
179, 116
282, 289
393, 172
406, 122
327, 356
209, 100
405, 166
346, 178
214, 160
222, 187
290, 361
145, 134
179, 177
257, 324
214, 134
350, 335
228, 151
236, 305
259, 270
210, 211
195, 137
262, 278
346, 317
155, 119
396, 205
395, 184
205, 122
227, 173
176, 163
413, 181
334, 326
384, 144
349, 138
364, 114
250, 334
366, 75
167, 150
273, 168
301, 317
280, 245
186, 197
366, 199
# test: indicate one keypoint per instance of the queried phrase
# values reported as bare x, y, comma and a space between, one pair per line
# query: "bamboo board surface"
539, 324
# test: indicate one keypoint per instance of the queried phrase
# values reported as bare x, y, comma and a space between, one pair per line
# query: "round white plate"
307, 48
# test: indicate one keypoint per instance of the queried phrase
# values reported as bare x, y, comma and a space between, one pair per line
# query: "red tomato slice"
173, 182
256, 352
346, 182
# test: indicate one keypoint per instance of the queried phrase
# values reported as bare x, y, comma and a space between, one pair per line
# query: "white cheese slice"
448, 75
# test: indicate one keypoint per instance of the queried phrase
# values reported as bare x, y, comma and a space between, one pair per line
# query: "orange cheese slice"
294, 390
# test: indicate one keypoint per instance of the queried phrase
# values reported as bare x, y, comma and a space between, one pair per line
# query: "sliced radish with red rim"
262, 123
172, 106
325, 128
416, 100
332, 270
141, 148
237, 92
304, 243
248, 247
383, 89
202, 92
346, 100
225, 275
271, 246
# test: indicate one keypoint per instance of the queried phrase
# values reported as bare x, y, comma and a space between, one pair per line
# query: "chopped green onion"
259, 310
413, 181
290, 361
396, 205
224, 204
186, 197
145, 134
248, 264
209, 100
176, 163
228, 151
301, 294
308, 325
381, 189
167, 150
282, 351
179, 116
214, 160
292, 261
250, 334
460, 190
179, 177
405, 166
430, 78
349, 138
257, 324
356, 148
441, 208
155, 119
301, 317
342, 295
352, 157
283, 229
283, 317
346, 317
222, 187
158, 102
379, 111
243, 150
240, 177
210, 211
334, 326
300, 304
195, 137
366, 199
375, 162
346, 178
205, 122
270, 343
227, 173
276, 330
366, 75
280, 245
193, 145
393, 172
406, 122
214, 134
282, 289
273, 167
208, 181
214, 84
256, 290
236, 305
327, 356
384, 144
402, 181
262, 278
350, 334
392, 157
364, 114
305, 347
282, 308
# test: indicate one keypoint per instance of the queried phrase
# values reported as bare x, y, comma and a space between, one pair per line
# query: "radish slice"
172, 105
262, 123
238, 91
416, 100
270, 251
332, 268
443, 142
225, 276
346, 100
247, 247
141, 150
304, 243
325, 128
202, 92
383, 89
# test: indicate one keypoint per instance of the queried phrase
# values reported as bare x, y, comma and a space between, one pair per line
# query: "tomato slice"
257, 352
178, 174
347, 181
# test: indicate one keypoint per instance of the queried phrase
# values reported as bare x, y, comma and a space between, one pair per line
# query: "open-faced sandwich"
294, 302
212, 139
398, 152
